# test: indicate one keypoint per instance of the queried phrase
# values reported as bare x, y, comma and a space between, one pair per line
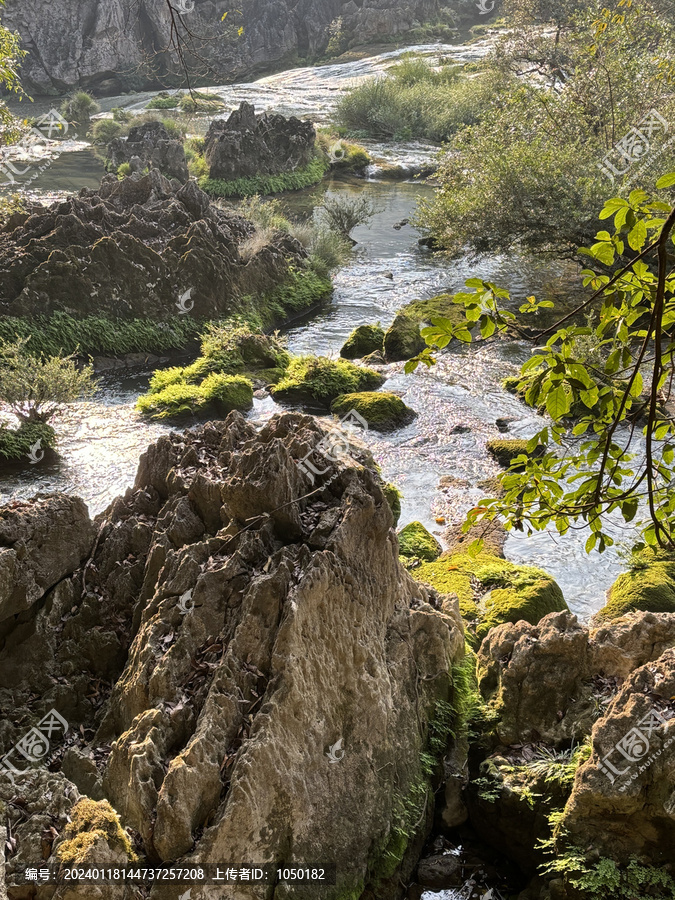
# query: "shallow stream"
457, 402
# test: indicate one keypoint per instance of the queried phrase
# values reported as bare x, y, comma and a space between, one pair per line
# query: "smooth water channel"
457, 401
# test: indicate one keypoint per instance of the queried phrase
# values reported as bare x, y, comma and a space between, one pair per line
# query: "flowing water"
457, 401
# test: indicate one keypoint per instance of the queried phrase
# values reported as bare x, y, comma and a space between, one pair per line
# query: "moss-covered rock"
505, 450
393, 498
31, 441
649, 586
316, 381
230, 350
414, 541
492, 591
91, 822
363, 340
382, 410
403, 339
171, 397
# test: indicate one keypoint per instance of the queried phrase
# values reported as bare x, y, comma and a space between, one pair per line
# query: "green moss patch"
493, 591
414, 541
382, 410
303, 177
26, 442
363, 340
217, 394
506, 450
317, 381
649, 586
393, 498
90, 821
403, 339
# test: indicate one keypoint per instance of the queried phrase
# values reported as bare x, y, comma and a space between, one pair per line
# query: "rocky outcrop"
141, 247
576, 731
246, 144
40, 543
243, 675
149, 145
118, 45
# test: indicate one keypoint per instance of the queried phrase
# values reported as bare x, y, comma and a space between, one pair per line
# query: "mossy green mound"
382, 410
239, 349
363, 340
317, 381
393, 498
403, 339
414, 541
171, 397
27, 442
89, 821
505, 450
492, 591
649, 586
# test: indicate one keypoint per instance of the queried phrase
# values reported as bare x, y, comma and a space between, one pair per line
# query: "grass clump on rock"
648, 586
302, 177
217, 393
382, 410
492, 591
363, 340
317, 380
415, 542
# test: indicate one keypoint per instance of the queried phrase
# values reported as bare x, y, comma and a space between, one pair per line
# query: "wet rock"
363, 341
40, 543
149, 145
133, 248
440, 871
382, 410
403, 339
247, 144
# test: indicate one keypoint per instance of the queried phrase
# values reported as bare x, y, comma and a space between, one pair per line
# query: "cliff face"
121, 44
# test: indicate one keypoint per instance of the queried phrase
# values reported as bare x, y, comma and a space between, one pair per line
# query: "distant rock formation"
247, 144
117, 45
149, 145
131, 249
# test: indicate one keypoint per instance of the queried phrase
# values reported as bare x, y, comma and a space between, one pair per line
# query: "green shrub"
164, 101
121, 115
124, 170
319, 380
105, 130
200, 102
16, 443
415, 101
79, 108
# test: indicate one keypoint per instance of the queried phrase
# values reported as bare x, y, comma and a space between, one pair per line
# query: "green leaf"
666, 181
558, 402
638, 236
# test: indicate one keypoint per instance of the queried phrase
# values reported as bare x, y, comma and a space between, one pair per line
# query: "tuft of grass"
61, 334
303, 177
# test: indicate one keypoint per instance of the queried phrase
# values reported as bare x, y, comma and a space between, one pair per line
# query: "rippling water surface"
457, 401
